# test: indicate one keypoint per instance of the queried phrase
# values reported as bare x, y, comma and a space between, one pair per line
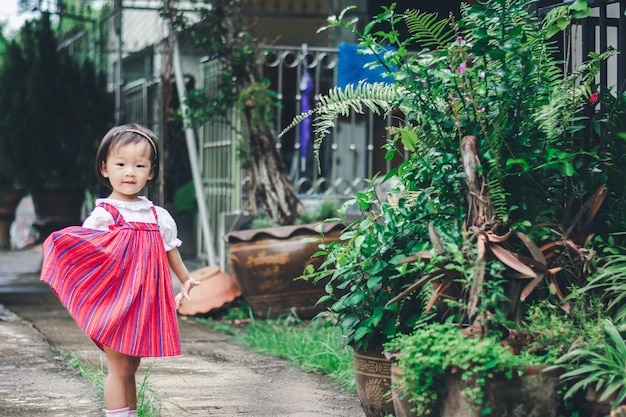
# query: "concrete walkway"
213, 377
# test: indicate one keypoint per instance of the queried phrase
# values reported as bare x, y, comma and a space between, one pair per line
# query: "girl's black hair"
123, 135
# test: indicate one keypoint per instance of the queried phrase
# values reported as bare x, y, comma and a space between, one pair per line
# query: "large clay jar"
534, 393
266, 262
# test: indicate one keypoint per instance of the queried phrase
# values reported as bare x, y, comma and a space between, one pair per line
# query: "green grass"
314, 346
96, 374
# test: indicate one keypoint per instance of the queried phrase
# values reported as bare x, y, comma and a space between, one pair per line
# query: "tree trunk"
480, 210
272, 186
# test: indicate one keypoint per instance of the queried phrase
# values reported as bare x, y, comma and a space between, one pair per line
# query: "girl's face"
128, 168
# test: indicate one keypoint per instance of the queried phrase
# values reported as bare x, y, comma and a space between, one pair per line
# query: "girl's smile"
128, 168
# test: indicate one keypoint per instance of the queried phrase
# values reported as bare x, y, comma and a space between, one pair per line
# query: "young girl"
113, 274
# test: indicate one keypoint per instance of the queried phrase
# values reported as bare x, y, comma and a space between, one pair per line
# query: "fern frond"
297, 120
494, 174
497, 194
588, 71
550, 116
377, 97
426, 140
428, 30
566, 95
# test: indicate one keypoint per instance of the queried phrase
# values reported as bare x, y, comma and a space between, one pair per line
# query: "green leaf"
363, 200
390, 154
409, 139
369, 27
557, 26
580, 9
568, 169
377, 316
361, 332
510, 162
355, 298
373, 282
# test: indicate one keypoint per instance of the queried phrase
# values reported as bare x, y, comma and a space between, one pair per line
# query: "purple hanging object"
306, 87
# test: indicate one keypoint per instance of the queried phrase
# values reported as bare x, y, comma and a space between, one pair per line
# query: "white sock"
120, 412
132, 413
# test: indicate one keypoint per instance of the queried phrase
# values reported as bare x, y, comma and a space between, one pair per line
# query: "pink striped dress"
116, 284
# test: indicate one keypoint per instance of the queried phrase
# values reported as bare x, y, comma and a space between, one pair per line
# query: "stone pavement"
214, 377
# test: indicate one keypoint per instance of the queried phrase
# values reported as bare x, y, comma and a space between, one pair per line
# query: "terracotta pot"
372, 374
265, 263
217, 291
9, 200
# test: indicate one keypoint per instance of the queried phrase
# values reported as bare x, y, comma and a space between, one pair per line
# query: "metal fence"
221, 168
606, 27
346, 158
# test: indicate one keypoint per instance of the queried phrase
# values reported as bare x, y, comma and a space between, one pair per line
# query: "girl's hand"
619, 411
184, 291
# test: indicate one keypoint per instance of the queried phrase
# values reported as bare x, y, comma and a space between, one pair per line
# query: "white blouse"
135, 211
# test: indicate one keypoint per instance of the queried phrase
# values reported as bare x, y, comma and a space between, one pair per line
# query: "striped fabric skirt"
117, 285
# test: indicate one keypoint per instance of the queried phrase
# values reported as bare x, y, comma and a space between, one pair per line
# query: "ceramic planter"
217, 291
265, 263
372, 375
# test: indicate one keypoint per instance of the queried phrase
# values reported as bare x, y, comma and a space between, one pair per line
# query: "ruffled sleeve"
99, 219
169, 230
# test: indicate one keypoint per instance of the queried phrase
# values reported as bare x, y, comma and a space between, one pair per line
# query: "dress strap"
156, 218
114, 212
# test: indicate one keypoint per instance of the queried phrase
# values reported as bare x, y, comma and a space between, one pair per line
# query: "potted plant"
454, 375
596, 369
599, 371
494, 207
54, 111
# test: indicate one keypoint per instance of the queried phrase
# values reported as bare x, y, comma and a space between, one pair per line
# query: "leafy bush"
495, 202
53, 109
601, 367
437, 350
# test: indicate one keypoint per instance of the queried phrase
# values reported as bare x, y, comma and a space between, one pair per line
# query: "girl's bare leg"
131, 386
120, 381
